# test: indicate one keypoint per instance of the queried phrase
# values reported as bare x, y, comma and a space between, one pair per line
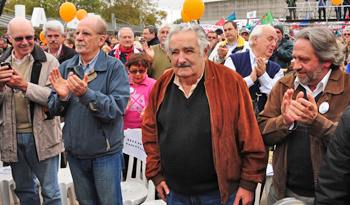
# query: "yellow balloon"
42, 37
184, 16
67, 11
81, 13
194, 9
337, 2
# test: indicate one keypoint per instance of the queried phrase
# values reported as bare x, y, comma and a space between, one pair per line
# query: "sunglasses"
346, 34
20, 39
135, 71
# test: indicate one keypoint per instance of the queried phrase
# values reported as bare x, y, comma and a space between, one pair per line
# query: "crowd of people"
211, 107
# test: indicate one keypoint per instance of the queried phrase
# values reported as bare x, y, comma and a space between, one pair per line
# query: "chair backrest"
142, 180
151, 196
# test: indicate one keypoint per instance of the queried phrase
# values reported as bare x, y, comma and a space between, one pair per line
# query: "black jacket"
154, 41
333, 186
66, 53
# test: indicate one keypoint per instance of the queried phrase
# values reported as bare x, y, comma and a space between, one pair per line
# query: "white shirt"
319, 88
19, 61
266, 83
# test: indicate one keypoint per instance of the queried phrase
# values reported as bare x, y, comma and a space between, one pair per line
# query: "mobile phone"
8, 64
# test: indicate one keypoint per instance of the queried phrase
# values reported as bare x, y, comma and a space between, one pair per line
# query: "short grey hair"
53, 26
324, 44
257, 32
347, 29
125, 28
15, 19
163, 26
183, 27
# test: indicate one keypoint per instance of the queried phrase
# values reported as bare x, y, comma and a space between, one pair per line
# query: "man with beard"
53, 31
157, 54
91, 90
302, 112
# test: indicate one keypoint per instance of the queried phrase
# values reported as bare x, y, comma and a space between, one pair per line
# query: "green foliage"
126, 10
178, 21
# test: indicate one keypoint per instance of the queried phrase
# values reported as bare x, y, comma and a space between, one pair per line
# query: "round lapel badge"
131, 90
324, 107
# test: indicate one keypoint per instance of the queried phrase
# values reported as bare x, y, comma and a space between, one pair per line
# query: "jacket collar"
101, 63
335, 83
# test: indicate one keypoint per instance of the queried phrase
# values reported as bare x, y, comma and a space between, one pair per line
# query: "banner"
267, 18
231, 17
251, 14
208, 28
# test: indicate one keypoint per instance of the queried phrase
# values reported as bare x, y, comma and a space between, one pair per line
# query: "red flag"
347, 17
220, 23
343, 27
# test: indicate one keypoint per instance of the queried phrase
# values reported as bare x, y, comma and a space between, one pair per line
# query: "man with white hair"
346, 44
91, 91
157, 53
31, 138
126, 45
53, 32
199, 132
253, 65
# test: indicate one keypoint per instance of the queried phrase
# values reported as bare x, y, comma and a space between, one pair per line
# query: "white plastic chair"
65, 182
150, 200
134, 189
7, 184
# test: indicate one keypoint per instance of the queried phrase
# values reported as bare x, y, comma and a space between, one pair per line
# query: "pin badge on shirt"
324, 107
132, 90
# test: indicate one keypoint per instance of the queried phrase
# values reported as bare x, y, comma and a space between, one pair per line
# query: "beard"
80, 47
312, 75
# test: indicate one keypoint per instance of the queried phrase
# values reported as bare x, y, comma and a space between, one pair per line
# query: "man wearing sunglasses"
31, 137
346, 44
91, 91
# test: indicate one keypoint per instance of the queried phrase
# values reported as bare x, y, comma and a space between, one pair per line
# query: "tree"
126, 10
178, 21
132, 10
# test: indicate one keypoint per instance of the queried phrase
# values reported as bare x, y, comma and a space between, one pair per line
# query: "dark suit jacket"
66, 53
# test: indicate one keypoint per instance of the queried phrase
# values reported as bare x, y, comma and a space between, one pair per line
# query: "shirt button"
10, 160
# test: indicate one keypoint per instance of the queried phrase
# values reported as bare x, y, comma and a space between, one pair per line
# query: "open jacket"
238, 151
241, 47
47, 131
336, 93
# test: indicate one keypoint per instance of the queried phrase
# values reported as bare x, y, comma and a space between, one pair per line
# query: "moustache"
184, 65
80, 44
52, 42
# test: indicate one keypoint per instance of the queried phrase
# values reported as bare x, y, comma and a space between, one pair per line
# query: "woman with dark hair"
140, 87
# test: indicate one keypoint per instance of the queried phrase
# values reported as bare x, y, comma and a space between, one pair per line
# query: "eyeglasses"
346, 34
136, 71
20, 39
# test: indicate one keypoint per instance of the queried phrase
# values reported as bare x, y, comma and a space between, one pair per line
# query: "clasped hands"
73, 84
259, 69
300, 109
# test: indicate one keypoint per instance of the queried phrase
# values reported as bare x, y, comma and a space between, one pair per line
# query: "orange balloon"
337, 2
81, 13
194, 9
42, 37
67, 11
184, 16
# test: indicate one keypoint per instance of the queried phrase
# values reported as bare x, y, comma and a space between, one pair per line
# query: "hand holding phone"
8, 64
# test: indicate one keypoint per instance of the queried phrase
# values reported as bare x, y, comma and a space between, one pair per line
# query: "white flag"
251, 14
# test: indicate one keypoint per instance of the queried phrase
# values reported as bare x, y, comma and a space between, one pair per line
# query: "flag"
306, 17
231, 17
256, 24
267, 18
221, 22
251, 14
347, 17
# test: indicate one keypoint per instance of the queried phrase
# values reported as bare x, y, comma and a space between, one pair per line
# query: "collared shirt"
319, 88
89, 65
57, 55
265, 81
230, 48
19, 61
178, 83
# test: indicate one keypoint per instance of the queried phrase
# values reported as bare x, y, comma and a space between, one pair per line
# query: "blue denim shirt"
94, 123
